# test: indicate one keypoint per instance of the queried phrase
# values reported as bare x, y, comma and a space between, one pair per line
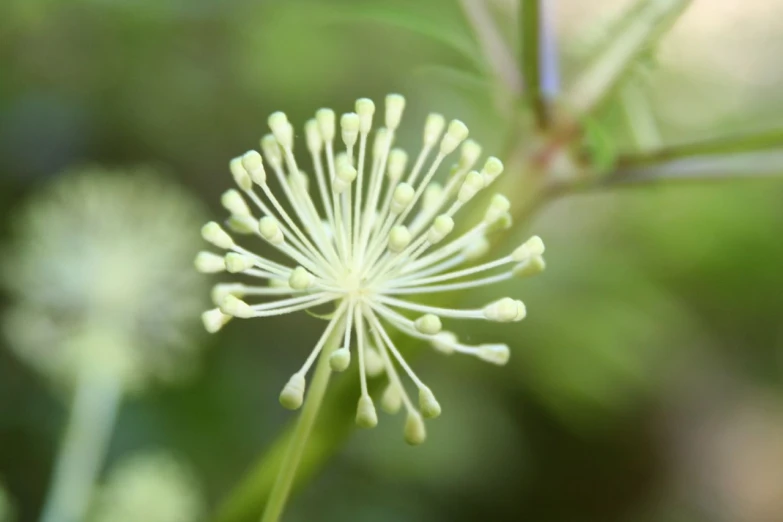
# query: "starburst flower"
379, 234
95, 258
153, 486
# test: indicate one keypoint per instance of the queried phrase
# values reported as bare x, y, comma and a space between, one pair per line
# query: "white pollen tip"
241, 224
292, 395
365, 108
236, 307
380, 142
455, 134
391, 400
209, 263
440, 228
214, 320
237, 263
300, 279
492, 169
433, 128
398, 159
497, 207
326, 119
366, 416
530, 267
470, 187
299, 179
349, 125
315, 141
399, 238
444, 342
428, 324
373, 363
469, 154
415, 432
240, 174
493, 353
505, 310
428, 405
432, 196
251, 160
402, 197
532, 247
278, 283
270, 230
221, 290
476, 248
345, 175
272, 153
340, 359
395, 104
282, 130
213, 233
234, 203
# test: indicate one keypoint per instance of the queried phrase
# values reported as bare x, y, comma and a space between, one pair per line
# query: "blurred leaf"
643, 28
455, 77
598, 146
496, 53
409, 16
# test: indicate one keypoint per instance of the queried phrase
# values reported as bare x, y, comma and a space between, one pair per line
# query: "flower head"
97, 259
151, 486
371, 233
6, 506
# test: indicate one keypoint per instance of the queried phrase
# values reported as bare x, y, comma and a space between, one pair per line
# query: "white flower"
149, 487
6, 506
99, 276
368, 235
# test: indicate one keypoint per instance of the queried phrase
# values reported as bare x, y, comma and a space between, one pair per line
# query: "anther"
214, 320
270, 230
209, 263
428, 324
251, 160
236, 263
213, 233
282, 130
292, 395
399, 238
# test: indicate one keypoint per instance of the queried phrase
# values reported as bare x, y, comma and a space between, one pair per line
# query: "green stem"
83, 449
315, 394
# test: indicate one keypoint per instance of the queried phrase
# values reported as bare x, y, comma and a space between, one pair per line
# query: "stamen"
209, 263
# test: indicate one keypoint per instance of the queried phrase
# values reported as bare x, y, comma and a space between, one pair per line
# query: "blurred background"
646, 384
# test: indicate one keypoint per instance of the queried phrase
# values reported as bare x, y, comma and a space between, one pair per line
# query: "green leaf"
413, 16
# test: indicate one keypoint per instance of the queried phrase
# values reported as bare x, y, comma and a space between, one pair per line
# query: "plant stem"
315, 394
86, 439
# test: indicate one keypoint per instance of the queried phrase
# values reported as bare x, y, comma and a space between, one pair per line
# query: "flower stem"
315, 394
91, 421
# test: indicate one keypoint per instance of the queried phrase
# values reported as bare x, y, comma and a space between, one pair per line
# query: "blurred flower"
370, 251
6, 507
97, 260
153, 487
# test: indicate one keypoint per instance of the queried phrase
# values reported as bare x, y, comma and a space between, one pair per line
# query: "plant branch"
496, 51
539, 58
281, 489
745, 165
83, 449
636, 34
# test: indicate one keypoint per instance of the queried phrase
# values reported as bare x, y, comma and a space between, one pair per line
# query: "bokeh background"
646, 383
